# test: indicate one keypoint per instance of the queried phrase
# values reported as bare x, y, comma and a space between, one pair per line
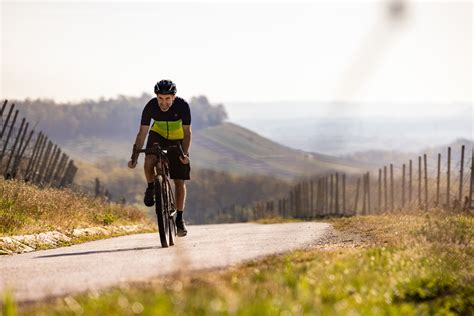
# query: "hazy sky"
264, 51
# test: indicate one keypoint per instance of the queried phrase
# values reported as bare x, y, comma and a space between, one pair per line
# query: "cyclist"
172, 124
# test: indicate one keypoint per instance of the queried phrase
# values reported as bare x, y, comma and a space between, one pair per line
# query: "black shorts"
178, 170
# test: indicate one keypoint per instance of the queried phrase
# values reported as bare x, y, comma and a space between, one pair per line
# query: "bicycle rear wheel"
162, 213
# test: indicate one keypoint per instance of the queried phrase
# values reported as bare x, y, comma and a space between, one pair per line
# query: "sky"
240, 52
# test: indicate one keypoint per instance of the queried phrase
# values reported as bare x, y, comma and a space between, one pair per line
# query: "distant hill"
227, 147
398, 158
236, 149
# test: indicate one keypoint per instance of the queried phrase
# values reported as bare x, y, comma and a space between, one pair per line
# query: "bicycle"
165, 207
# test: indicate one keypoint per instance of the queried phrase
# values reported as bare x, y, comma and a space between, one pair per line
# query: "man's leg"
149, 175
180, 188
149, 164
180, 192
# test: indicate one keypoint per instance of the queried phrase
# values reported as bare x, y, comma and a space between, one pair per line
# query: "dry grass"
277, 220
27, 209
407, 228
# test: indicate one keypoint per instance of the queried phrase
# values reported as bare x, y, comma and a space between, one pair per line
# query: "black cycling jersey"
168, 124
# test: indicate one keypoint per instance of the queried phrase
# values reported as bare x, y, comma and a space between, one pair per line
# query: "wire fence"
423, 183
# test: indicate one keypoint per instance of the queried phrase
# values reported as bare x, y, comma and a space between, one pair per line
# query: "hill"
236, 149
398, 157
227, 147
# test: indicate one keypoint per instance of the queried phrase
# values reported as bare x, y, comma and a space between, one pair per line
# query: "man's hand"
134, 159
184, 159
132, 164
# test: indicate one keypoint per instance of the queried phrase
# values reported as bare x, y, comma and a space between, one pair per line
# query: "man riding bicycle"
172, 124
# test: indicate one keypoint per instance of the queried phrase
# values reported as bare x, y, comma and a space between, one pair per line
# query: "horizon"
238, 110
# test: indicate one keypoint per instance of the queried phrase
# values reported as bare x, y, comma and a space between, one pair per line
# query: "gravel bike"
165, 207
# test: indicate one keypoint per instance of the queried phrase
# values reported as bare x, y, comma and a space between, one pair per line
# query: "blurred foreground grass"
411, 264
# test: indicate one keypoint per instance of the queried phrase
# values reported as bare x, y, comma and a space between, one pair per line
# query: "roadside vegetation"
392, 264
28, 209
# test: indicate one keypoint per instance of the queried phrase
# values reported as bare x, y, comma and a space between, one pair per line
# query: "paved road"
108, 262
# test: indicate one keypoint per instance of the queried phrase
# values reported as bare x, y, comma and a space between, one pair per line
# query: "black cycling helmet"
165, 87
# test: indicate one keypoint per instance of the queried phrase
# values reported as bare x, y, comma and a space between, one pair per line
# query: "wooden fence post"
306, 200
319, 201
344, 194
52, 168
44, 163
410, 183
461, 176
49, 162
73, 174
292, 201
33, 154
311, 199
379, 195
326, 195
368, 193
20, 147
18, 153
438, 178
8, 137
448, 189
296, 196
38, 159
385, 194
316, 210
331, 195
4, 127
70, 174
419, 182
364, 194
403, 186
15, 144
357, 196
471, 184
3, 108
299, 200
336, 198
392, 198
426, 181
16, 165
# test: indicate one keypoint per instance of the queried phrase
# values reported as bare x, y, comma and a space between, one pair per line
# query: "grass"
277, 220
409, 264
28, 209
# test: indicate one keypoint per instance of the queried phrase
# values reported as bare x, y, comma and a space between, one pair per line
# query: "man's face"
165, 101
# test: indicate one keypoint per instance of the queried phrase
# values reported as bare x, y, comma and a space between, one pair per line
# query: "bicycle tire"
168, 202
161, 214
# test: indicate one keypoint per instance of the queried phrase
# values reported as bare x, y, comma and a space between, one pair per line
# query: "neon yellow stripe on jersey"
169, 129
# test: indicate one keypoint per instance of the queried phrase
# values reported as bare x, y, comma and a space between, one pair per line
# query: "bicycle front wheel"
168, 199
161, 206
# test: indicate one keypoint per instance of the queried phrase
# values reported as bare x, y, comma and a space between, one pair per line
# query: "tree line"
109, 118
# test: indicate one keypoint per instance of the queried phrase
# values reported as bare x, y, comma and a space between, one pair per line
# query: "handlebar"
156, 149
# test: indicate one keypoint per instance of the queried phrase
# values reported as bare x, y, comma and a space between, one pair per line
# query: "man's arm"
187, 138
186, 143
142, 132
139, 141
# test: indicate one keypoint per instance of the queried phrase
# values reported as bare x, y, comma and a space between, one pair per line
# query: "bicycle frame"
164, 196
